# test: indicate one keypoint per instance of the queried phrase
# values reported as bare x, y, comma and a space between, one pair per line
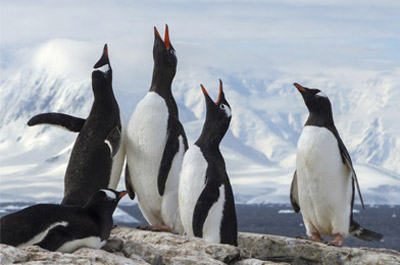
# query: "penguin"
324, 182
206, 201
97, 156
155, 145
62, 228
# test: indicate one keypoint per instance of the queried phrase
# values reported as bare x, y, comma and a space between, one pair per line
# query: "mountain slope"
260, 148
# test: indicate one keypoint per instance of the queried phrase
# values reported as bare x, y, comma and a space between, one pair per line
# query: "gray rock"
265, 247
131, 246
147, 244
256, 262
11, 255
84, 256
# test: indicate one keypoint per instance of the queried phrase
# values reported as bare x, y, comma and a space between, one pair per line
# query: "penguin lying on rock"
206, 201
60, 227
324, 182
96, 159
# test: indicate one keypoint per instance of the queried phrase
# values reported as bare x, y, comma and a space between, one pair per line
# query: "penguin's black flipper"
55, 238
113, 141
347, 160
170, 150
128, 183
207, 198
294, 194
71, 123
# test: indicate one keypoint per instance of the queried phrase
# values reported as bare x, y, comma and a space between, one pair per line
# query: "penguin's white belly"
191, 185
89, 242
212, 224
146, 139
324, 183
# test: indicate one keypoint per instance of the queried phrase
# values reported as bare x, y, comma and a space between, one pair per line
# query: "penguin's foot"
155, 228
338, 241
316, 237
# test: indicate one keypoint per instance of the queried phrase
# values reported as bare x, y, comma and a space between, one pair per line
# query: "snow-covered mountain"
260, 148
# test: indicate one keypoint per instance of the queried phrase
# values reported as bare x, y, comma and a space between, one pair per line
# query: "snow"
359, 73
285, 211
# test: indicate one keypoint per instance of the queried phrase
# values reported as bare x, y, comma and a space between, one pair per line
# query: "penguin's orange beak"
300, 88
204, 90
166, 37
220, 93
122, 194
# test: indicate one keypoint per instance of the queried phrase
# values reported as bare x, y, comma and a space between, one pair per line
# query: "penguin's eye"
110, 196
226, 109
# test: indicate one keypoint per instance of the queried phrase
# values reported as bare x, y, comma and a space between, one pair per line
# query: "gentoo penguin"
60, 227
206, 201
156, 143
96, 159
324, 182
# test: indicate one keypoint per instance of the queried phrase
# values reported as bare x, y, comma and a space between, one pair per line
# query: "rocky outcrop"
131, 246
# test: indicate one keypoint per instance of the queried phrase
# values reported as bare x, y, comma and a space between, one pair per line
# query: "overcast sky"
252, 36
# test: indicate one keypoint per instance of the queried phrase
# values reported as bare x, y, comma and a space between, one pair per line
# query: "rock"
174, 249
131, 246
265, 247
11, 255
84, 256
256, 262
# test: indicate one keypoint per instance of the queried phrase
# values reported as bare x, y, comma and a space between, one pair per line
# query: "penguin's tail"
364, 234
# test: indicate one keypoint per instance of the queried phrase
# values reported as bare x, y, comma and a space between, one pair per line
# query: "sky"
264, 38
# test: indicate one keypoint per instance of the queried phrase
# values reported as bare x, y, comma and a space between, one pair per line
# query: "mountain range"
259, 148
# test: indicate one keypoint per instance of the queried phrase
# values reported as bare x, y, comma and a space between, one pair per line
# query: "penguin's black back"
20, 227
90, 164
64, 223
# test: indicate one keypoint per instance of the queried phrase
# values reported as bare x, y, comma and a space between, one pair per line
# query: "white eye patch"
321, 94
110, 195
104, 68
227, 109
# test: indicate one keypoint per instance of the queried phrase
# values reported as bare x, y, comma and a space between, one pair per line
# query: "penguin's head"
102, 73
105, 199
111, 195
164, 56
316, 101
218, 114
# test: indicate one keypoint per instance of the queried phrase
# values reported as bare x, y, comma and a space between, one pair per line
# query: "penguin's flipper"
294, 194
347, 160
113, 141
128, 183
207, 198
55, 238
71, 123
170, 150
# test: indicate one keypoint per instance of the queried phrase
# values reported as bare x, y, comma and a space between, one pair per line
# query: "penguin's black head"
165, 60
316, 101
218, 116
105, 199
102, 75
